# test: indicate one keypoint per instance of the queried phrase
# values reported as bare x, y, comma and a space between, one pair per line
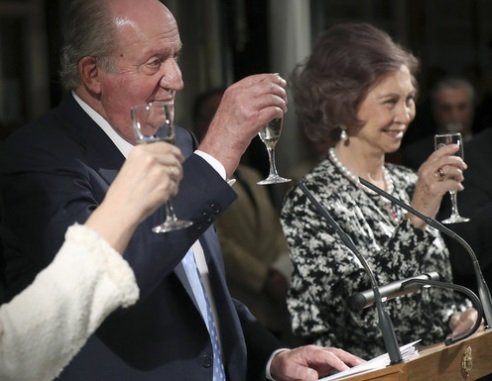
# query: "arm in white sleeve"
44, 326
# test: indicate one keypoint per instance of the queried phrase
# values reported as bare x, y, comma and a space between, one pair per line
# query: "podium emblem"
467, 361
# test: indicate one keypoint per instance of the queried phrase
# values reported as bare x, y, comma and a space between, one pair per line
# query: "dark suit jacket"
475, 202
54, 173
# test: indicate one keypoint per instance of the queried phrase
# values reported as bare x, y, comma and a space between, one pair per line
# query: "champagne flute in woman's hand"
269, 135
153, 122
439, 141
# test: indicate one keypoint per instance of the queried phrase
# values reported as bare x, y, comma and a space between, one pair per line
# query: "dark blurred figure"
475, 202
316, 150
253, 245
453, 110
6, 129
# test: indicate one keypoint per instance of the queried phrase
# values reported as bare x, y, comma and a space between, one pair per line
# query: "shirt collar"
118, 141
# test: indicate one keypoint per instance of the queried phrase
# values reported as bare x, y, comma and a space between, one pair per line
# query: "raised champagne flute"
270, 135
442, 140
154, 122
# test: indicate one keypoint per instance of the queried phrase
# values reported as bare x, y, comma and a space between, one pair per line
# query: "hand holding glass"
439, 141
154, 122
269, 135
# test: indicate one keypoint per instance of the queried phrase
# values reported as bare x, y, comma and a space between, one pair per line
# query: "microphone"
483, 289
469, 293
361, 300
385, 324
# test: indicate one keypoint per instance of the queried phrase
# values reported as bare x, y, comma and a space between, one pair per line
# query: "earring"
343, 134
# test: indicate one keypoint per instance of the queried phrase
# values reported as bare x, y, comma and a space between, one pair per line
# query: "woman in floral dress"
358, 90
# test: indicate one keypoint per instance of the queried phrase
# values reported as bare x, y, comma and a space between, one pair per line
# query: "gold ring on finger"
440, 174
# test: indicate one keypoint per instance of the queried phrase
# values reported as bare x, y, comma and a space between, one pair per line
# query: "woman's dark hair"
346, 62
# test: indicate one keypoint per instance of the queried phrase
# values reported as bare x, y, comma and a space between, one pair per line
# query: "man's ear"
89, 74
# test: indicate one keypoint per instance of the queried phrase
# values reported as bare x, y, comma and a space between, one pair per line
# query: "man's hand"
246, 107
309, 362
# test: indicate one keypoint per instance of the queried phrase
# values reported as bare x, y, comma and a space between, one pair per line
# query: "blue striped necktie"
202, 300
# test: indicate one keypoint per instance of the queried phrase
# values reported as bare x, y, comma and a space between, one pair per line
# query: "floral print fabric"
326, 273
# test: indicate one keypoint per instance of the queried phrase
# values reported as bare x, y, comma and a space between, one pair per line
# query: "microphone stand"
483, 289
469, 293
385, 323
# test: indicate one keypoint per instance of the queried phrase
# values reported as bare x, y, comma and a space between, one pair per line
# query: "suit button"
207, 361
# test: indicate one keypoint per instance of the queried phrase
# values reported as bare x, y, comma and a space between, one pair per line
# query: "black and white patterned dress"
326, 273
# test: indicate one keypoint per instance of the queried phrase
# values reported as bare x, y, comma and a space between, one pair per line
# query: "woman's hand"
440, 173
147, 179
461, 322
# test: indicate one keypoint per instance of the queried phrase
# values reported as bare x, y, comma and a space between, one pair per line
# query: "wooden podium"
465, 360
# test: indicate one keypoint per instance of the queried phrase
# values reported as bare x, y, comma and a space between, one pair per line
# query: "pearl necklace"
346, 172
390, 209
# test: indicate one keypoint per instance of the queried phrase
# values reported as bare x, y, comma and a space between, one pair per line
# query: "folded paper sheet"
408, 351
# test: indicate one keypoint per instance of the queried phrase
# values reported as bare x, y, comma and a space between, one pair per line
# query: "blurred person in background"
453, 110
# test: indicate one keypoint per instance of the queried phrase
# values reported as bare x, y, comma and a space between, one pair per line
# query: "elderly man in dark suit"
57, 171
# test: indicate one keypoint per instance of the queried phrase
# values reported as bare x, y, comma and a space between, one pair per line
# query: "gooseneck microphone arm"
470, 294
483, 289
385, 323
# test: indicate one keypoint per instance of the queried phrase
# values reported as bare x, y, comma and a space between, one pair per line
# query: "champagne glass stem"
454, 204
273, 177
170, 215
269, 136
271, 159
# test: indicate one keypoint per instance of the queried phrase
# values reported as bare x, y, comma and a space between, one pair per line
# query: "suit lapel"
233, 344
101, 153
180, 273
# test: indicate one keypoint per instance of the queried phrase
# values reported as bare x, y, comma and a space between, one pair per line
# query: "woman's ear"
89, 74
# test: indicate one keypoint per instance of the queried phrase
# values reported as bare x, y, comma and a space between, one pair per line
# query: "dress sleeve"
44, 326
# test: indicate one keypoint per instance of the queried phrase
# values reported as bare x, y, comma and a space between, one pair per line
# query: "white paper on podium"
408, 351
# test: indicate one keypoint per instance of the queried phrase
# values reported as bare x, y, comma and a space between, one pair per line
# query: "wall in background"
225, 40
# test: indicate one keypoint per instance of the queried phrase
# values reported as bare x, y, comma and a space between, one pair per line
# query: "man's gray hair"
89, 32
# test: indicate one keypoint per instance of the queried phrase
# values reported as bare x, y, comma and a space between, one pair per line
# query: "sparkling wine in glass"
270, 135
439, 141
154, 122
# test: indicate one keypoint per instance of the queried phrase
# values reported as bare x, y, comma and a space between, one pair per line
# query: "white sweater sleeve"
44, 326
